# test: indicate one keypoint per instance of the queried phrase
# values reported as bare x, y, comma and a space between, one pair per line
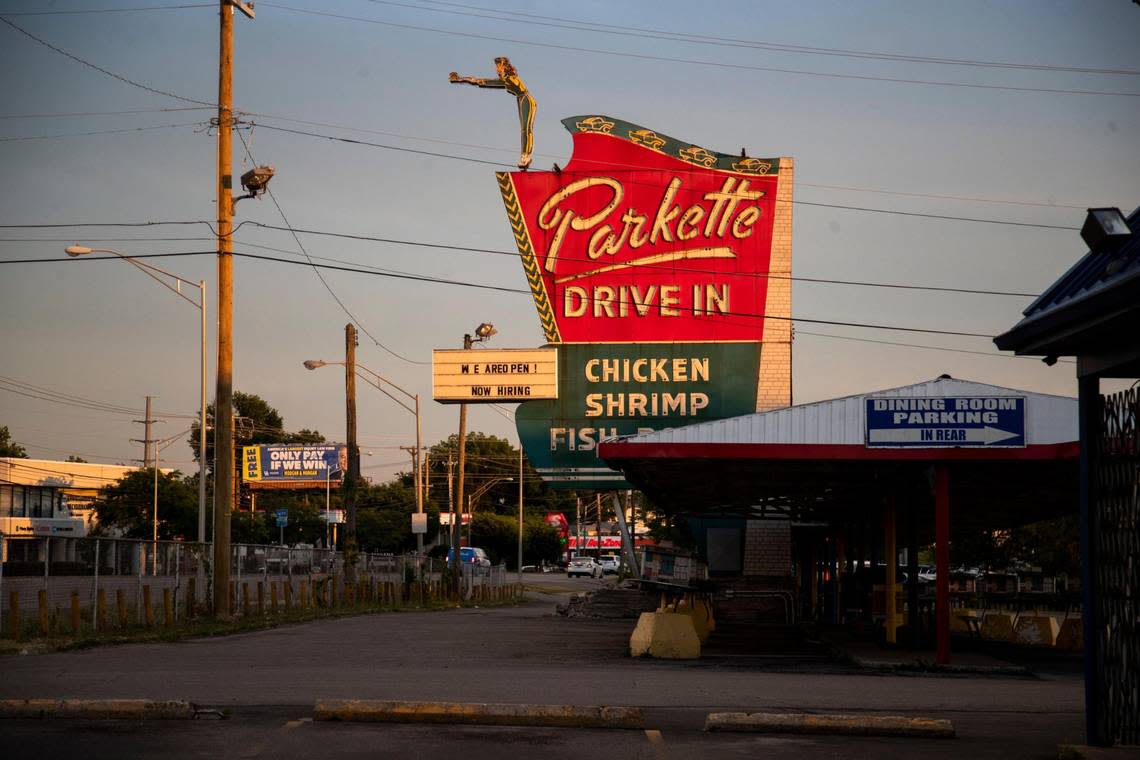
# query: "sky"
835, 85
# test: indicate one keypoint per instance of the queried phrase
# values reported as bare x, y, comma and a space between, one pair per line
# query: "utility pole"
353, 475
598, 505
456, 565
223, 397
520, 510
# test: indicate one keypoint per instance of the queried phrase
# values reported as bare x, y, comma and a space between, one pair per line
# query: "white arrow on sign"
984, 436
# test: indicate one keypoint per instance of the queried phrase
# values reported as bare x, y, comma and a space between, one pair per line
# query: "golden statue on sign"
508, 79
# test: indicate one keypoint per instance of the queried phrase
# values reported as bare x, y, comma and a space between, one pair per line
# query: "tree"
127, 506
257, 422
8, 447
77, 460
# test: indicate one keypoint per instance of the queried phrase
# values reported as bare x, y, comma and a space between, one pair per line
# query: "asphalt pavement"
267, 681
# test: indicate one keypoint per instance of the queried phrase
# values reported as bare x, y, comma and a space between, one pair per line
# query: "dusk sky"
1021, 111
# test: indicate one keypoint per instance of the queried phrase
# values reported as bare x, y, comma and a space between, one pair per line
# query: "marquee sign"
644, 238
494, 375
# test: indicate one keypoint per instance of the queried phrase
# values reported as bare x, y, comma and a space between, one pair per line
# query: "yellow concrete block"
1071, 636
998, 626
958, 620
1040, 630
701, 613
665, 635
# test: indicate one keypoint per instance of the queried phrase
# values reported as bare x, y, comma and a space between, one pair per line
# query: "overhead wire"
24, 138
644, 32
101, 70
697, 62
94, 11
321, 277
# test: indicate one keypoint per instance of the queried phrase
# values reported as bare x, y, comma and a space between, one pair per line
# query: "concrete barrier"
96, 709
1071, 636
833, 725
482, 714
1039, 630
998, 626
665, 635
701, 613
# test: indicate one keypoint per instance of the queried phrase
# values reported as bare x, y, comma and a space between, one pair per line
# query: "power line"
86, 114
780, 47
799, 182
917, 345
62, 225
401, 149
697, 62
91, 11
98, 132
102, 70
321, 277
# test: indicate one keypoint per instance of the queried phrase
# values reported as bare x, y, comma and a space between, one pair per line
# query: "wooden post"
191, 606
245, 598
273, 595
45, 622
148, 610
304, 594
288, 595
260, 597
168, 607
75, 618
942, 559
121, 606
14, 615
101, 606
890, 550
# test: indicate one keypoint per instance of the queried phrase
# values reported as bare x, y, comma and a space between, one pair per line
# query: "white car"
583, 566
610, 564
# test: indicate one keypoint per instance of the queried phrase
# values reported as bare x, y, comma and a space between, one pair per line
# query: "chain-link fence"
74, 586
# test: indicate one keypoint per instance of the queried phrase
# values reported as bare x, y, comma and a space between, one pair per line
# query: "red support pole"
942, 560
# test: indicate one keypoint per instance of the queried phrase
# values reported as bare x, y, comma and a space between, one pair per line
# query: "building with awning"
779, 500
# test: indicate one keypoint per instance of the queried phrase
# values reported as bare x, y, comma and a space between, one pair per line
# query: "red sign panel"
645, 238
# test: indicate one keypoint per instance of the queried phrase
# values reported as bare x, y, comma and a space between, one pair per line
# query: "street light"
476, 494
311, 364
153, 272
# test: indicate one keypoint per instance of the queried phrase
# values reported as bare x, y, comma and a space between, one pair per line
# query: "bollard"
75, 621
121, 606
260, 597
167, 607
273, 595
45, 620
288, 595
101, 606
245, 597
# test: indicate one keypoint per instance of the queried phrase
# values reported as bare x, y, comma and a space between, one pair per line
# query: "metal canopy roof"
811, 462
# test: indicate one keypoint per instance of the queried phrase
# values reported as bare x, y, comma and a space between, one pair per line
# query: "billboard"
661, 271
297, 465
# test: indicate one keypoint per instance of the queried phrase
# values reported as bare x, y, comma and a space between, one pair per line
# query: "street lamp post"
471, 499
375, 381
156, 274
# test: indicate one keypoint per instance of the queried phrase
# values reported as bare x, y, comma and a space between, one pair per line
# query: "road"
267, 680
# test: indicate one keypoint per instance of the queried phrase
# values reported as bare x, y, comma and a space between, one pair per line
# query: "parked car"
610, 564
583, 566
470, 555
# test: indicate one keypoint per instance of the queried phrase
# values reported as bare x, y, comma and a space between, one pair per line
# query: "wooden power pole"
353, 475
223, 396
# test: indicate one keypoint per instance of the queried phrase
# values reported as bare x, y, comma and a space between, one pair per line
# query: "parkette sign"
645, 238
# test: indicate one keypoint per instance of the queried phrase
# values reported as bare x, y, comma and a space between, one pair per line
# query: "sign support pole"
626, 537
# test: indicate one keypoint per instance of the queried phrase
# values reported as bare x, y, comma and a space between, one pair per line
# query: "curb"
483, 714
97, 709
831, 725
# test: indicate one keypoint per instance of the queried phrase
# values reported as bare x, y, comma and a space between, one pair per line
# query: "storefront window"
18, 502
5, 501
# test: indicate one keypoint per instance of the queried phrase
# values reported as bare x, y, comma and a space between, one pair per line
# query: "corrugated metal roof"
1095, 272
1049, 419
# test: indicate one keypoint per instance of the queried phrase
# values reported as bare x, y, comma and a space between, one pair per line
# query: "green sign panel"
611, 389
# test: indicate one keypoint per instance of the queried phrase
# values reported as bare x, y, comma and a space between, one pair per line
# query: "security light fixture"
485, 331
256, 180
1104, 228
